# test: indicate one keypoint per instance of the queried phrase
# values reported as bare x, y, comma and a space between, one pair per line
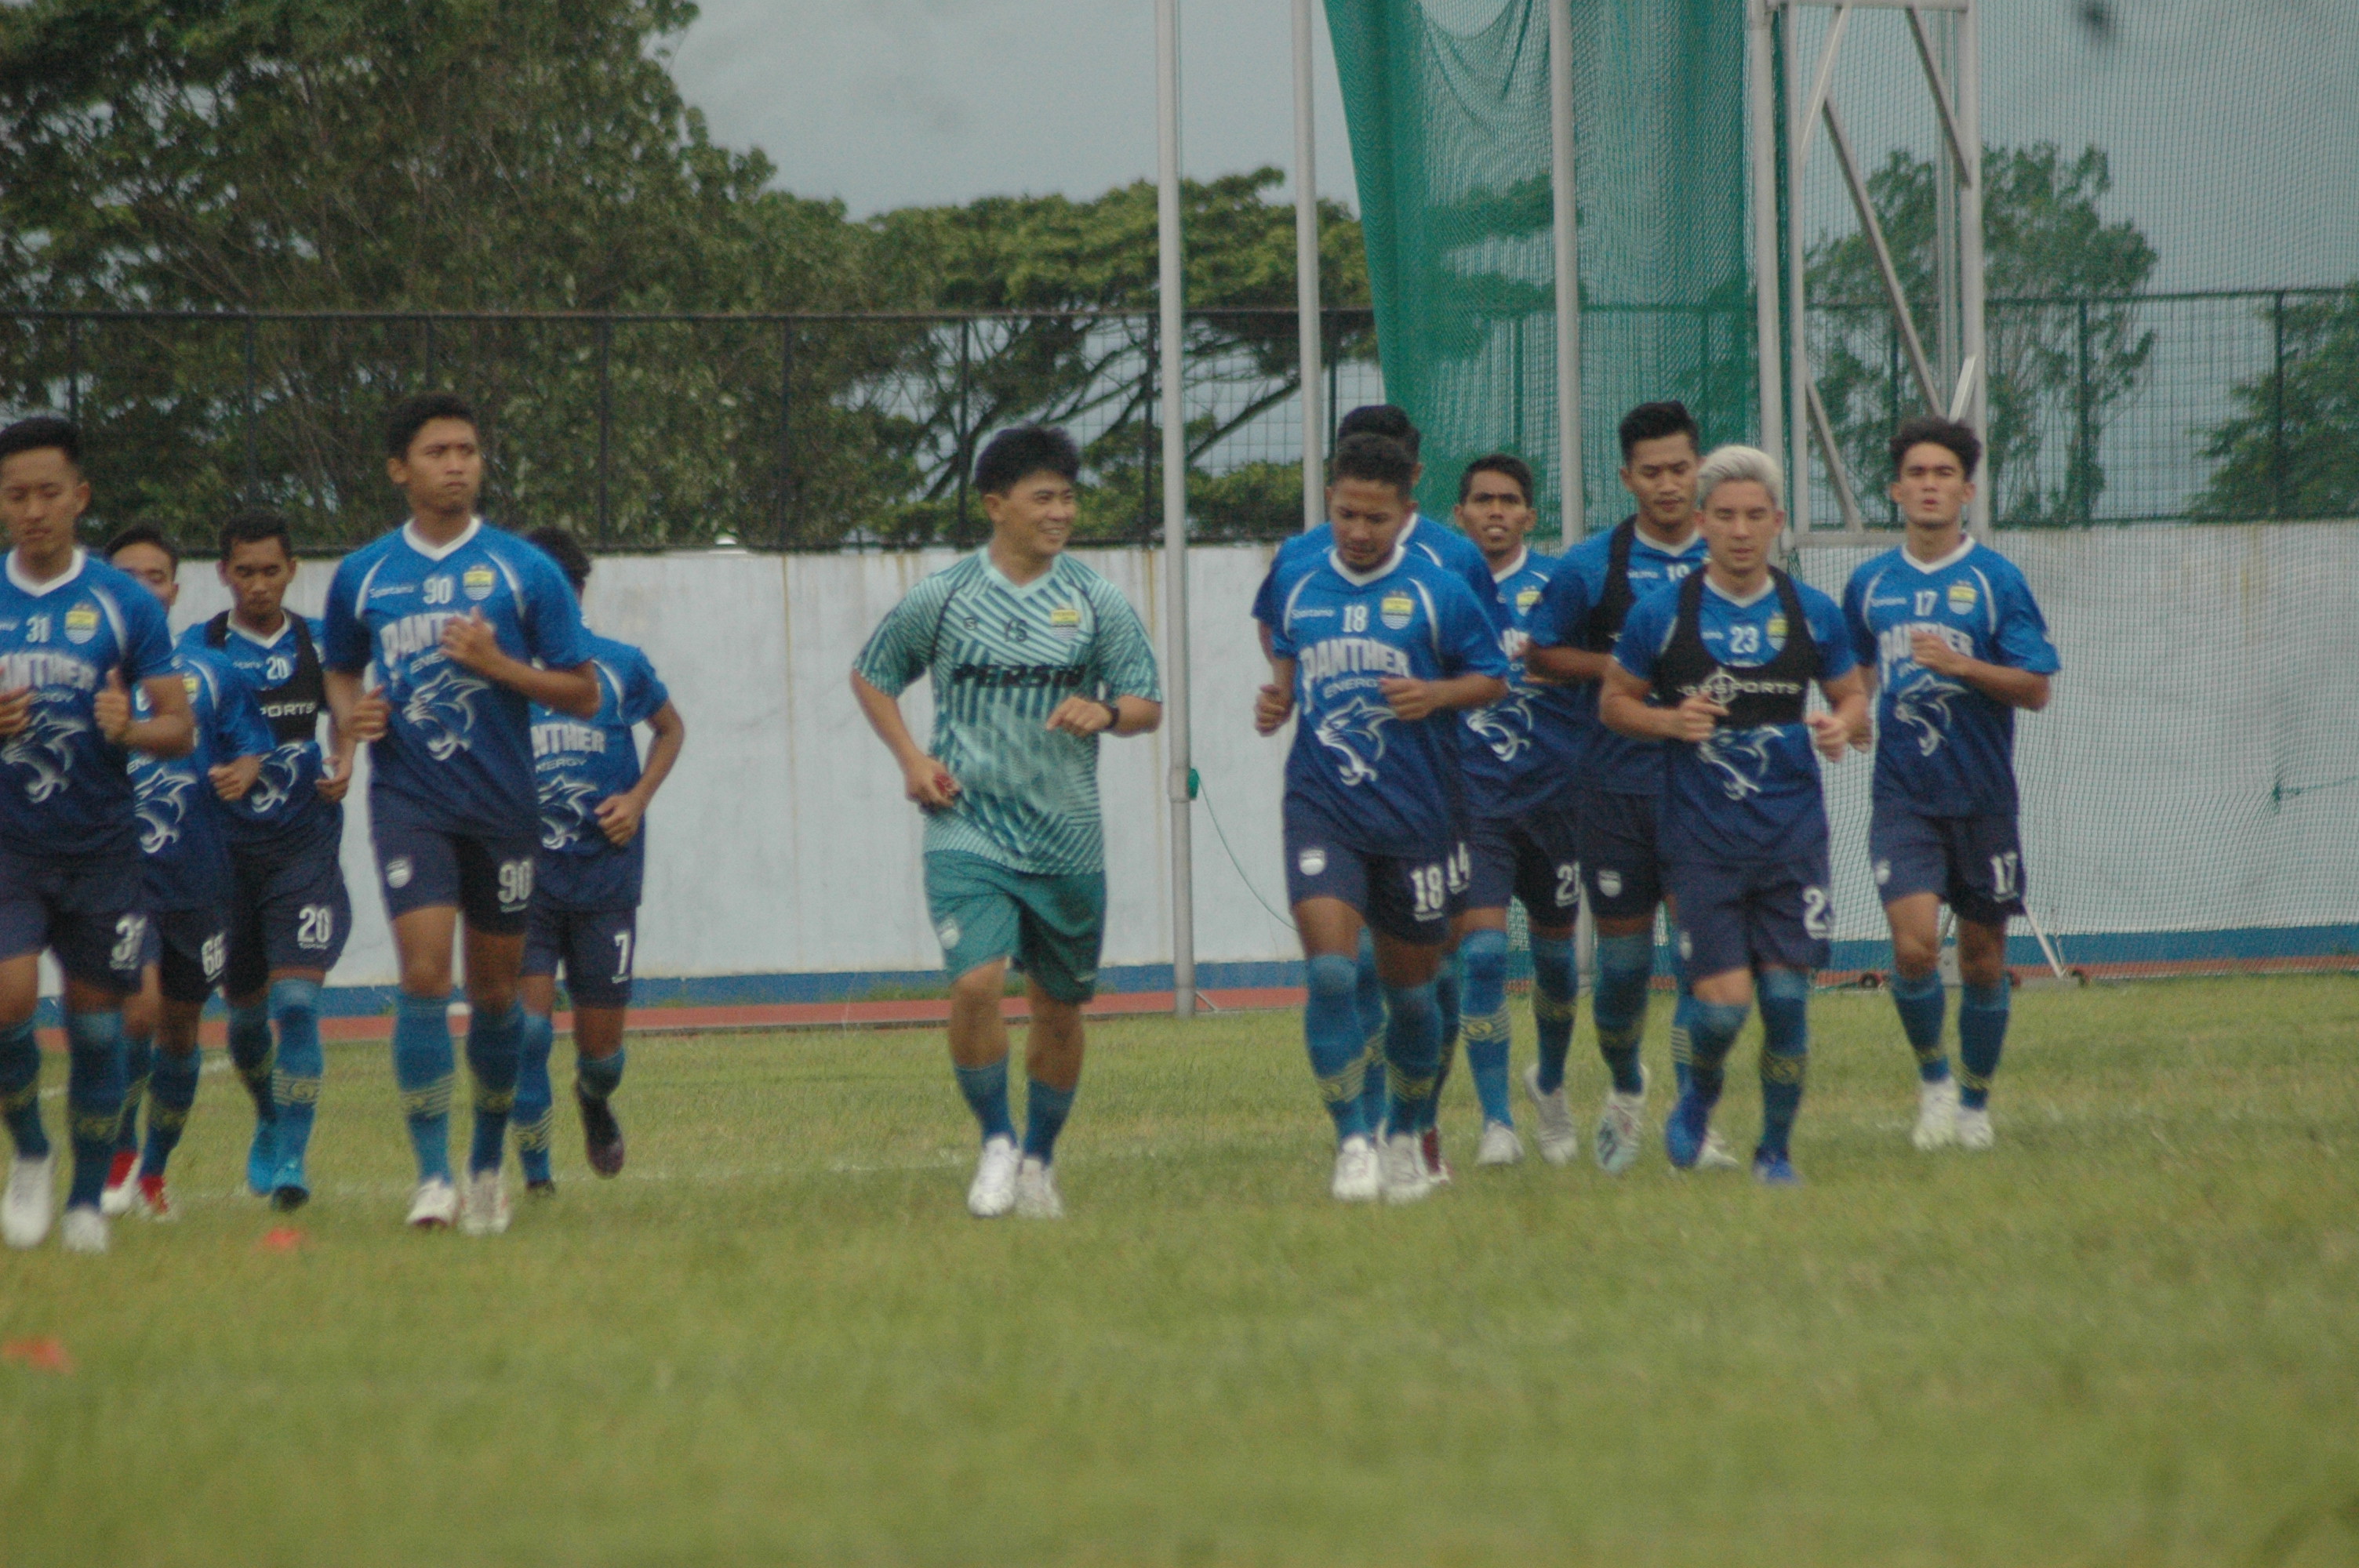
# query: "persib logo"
1395, 610
1065, 621
478, 582
1526, 597
82, 623
1961, 598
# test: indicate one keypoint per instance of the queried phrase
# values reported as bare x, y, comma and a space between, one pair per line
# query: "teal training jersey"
1002, 658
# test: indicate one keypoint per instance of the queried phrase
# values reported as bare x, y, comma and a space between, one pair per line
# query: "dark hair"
1507, 463
1654, 421
252, 526
142, 533
411, 414
40, 432
1928, 430
1379, 459
1024, 449
1386, 419
559, 546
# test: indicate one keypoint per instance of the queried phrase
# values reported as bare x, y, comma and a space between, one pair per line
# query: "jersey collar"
286, 630
1687, 548
441, 552
1965, 547
1748, 601
1009, 583
1362, 579
17, 578
1523, 558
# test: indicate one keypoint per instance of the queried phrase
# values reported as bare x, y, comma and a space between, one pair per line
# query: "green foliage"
2293, 449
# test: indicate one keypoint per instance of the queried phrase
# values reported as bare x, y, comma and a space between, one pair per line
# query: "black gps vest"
1613, 598
292, 707
1774, 692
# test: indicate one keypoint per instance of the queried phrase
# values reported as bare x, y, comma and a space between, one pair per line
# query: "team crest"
397, 872
949, 933
82, 623
189, 685
1065, 621
478, 583
1961, 598
1777, 633
1395, 610
1609, 882
1883, 872
1526, 597
1311, 863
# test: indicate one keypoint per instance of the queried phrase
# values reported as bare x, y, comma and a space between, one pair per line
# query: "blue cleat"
290, 1189
1683, 1134
1774, 1170
262, 1159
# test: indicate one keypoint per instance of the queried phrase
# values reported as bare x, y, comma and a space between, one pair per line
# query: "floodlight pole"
1173, 362
1310, 348
1568, 273
1761, 106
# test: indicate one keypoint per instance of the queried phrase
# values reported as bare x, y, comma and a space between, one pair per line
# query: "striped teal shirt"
1002, 658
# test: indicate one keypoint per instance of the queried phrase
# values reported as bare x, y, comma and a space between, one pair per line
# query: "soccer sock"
171, 1091
1412, 1054
1711, 1033
534, 1098
1368, 997
1447, 983
1625, 966
249, 1052
599, 1077
986, 1095
20, 1090
1339, 1057
1488, 1034
1981, 1036
494, 1050
93, 1098
1682, 1013
138, 1054
1785, 1055
1045, 1109
1920, 1002
295, 1085
1555, 982
422, 1069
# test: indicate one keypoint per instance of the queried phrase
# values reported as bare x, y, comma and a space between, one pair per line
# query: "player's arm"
619, 815
923, 778
1415, 699
1468, 647
1274, 704
1565, 667
168, 730
1833, 731
2026, 689
470, 641
1079, 715
1563, 609
1621, 705
1862, 734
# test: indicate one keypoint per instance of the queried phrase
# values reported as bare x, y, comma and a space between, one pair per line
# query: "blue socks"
599, 1077
534, 1098
249, 1052
295, 1085
138, 1052
1483, 954
1981, 1036
1711, 1033
986, 1095
1446, 985
1412, 1055
1045, 1109
1625, 965
93, 1100
422, 1069
171, 1091
1921, 1002
1331, 1030
1682, 1012
1785, 1055
494, 1052
20, 1089
1368, 997
1555, 983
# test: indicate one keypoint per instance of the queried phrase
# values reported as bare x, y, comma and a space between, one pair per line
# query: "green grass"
2129, 1336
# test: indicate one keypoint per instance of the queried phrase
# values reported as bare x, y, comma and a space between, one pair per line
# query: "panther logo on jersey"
566, 811
1922, 707
1354, 733
441, 707
1741, 756
163, 807
46, 746
274, 784
1505, 726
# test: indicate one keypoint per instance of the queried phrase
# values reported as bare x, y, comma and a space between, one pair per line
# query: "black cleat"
602, 1135
287, 1199
544, 1188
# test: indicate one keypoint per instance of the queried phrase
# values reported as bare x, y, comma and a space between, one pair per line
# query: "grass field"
2129, 1336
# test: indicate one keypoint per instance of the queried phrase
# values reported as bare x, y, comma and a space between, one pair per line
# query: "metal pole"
2280, 504
1761, 110
606, 426
253, 465
1969, 88
1175, 502
73, 368
958, 440
1306, 267
1797, 321
1568, 272
786, 431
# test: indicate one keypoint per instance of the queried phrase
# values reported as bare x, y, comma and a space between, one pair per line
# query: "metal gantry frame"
1951, 378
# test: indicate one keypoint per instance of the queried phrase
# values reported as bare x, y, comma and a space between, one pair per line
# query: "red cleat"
117, 1197
1436, 1167
158, 1202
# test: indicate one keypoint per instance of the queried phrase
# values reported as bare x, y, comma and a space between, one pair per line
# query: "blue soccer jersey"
65, 789
459, 748
580, 762
180, 816
1391, 784
1943, 748
1522, 751
1580, 608
1751, 793
1437, 544
285, 806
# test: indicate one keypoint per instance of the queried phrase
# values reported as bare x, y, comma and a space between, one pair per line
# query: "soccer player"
1573, 632
75, 635
1032, 657
1721, 666
1375, 649
1954, 643
1520, 754
585, 898
465, 627
186, 888
289, 913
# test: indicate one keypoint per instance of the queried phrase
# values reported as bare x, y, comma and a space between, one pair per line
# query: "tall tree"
2292, 448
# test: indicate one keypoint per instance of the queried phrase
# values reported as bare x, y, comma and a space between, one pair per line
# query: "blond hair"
1729, 465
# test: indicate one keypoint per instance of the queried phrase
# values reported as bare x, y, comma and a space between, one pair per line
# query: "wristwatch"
1113, 712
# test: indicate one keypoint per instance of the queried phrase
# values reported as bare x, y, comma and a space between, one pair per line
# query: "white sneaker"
1937, 1115
1500, 1146
1035, 1191
83, 1229
25, 1211
992, 1192
1622, 1128
1357, 1178
483, 1204
1403, 1172
434, 1205
1552, 1119
120, 1198
1974, 1128
1714, 1154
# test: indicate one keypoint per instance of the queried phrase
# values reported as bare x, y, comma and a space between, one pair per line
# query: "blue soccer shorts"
86, 909
287, 910
1534, 857
1615, 840
190, 950
1974, 864
1753, 916
1407, 897
488, 877
594, 947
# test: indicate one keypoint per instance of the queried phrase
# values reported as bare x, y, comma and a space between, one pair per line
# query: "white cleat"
120, 1198
1937, 1115
1357, 1179
993, 1191
83, 1229
1035, 1191
1403, 1170
1714, 1154
25, 1211
1552, 1119
434, 1205
1622, 1130
1974, 1128
483, 1206
1500, 1146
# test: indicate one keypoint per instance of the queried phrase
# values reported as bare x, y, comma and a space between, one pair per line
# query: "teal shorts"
1053, 926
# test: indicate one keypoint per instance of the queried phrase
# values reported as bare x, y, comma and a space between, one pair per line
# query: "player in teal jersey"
1032, 657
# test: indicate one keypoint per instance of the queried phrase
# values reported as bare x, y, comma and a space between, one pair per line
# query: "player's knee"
426, 977
1785, 1015
983, 983
294, 1002
1914, 953
1484, 954
1333, 976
